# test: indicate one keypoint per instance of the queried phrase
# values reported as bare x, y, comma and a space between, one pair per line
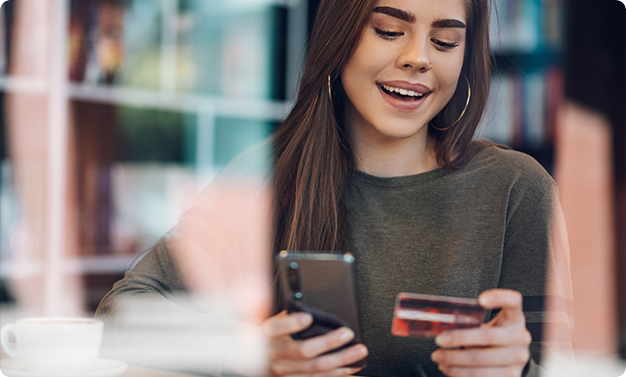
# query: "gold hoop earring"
330, 96
469, 95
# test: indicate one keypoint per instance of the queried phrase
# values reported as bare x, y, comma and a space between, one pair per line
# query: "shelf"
23, 85
229, 107
82, 265
259, 109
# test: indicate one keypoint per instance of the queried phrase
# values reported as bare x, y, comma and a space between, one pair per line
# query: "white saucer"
100, 368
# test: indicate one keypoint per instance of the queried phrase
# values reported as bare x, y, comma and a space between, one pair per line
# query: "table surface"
135, 371
131, 371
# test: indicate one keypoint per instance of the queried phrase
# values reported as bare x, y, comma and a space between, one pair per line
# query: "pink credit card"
427, 316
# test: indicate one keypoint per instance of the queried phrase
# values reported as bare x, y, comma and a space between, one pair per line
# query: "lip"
405, 106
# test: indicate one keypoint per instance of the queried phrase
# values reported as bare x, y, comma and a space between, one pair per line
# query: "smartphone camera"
293, 275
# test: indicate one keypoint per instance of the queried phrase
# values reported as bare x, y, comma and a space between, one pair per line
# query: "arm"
151, 320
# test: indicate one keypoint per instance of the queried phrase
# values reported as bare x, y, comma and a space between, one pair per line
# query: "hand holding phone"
288, 356
324, 286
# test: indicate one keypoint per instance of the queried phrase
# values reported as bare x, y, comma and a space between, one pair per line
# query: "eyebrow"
397, 13
448, 22
410, 18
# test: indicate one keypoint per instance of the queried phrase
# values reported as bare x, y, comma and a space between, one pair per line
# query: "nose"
414, 55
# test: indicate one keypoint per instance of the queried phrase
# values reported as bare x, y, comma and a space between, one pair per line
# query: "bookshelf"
205, 67
528, 81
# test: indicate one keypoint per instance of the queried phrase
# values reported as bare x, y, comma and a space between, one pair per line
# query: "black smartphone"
323, 285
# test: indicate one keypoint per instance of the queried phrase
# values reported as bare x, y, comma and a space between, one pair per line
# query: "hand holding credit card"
418, 315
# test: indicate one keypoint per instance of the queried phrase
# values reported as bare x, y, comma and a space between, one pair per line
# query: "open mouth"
401, 94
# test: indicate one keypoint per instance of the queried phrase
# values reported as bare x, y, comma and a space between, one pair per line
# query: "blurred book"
95, 43
522, 108
218, 40
95, 209
126, 207
526, 26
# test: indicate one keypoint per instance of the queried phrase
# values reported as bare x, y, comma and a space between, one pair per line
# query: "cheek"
449, 74
449, 85
367, 62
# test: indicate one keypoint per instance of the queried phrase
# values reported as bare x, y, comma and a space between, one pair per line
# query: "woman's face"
405, 68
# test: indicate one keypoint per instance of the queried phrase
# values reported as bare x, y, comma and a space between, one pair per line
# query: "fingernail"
305, 318
436, 357
484, 300
348, 371
346, 334
442, 339
362, 350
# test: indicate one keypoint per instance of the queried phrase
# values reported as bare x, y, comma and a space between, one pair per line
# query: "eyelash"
392, 34
388, 34
444, 45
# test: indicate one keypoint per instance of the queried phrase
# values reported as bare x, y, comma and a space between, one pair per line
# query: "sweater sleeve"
536, 262
151, 320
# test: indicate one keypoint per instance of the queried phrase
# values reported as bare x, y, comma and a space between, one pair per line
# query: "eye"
388, 34
442, 45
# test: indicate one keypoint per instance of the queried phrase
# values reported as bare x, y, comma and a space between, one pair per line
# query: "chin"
400, 131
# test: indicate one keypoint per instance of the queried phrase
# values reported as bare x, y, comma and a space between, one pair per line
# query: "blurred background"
114, 114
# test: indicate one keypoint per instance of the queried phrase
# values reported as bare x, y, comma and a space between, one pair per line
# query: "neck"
394, 157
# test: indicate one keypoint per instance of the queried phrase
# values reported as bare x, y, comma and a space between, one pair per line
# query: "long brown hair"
313, 156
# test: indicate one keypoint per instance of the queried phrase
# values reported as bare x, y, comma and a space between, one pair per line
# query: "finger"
484, 336
482, 357
321, 364
330, 341
286, 324
483, 372
509, 301
312, 347
282, 348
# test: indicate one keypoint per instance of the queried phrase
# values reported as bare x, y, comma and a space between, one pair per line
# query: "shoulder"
506, 166
512, 178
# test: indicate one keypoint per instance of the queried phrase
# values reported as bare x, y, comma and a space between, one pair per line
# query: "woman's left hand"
497, 348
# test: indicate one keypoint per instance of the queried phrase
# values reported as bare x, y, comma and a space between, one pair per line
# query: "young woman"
377, 158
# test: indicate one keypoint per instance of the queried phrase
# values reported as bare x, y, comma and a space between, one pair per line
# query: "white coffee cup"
53, 344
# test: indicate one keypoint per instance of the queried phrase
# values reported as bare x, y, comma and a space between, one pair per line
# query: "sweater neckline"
398, 182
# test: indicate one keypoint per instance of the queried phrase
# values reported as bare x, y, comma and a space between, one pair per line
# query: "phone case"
326, 289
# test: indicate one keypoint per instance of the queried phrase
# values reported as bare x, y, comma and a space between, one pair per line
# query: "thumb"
508, 301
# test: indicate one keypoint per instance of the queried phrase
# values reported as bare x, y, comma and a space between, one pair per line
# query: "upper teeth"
404, 92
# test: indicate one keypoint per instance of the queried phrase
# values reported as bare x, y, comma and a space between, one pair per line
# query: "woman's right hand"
306, 357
